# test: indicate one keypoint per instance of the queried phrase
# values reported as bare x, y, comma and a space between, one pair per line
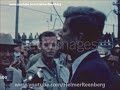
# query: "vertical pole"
113, 36
17, 20
118, 19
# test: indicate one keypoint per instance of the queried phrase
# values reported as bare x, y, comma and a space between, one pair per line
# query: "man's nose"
50, 46
7, 53
60, 33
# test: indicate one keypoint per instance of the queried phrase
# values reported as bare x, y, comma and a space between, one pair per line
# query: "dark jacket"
92, 70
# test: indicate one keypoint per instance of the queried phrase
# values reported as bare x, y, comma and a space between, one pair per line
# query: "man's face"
117, 51
17, 48
35, 49
6, 54
66, 38
49, 46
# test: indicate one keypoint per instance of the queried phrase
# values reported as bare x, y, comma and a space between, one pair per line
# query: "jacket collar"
40, 63
78, 61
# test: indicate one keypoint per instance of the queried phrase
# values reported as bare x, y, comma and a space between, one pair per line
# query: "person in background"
113, 62
51, 71
37, 36
24, 37
59, 57
82, 29
17, 54
11, 76
30, 37
33, 50
25, 55
19, 60
19, 37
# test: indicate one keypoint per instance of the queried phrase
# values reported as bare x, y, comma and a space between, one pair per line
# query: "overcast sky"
32, 19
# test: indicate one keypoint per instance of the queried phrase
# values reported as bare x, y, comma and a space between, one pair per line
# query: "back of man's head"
86, 20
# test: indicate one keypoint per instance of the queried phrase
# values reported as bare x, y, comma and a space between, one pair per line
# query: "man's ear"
79, 36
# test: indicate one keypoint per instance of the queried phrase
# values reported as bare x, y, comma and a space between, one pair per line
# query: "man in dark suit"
81, 32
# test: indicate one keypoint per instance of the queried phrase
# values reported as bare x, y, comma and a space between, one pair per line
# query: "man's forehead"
6, 46
66, 23
67, 20
9, 47
49, 39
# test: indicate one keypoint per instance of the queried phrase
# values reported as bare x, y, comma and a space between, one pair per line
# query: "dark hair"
113, 51
46, 34
85, 19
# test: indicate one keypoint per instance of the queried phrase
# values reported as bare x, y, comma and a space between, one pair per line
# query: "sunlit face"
6, 54
49, 46
66, 38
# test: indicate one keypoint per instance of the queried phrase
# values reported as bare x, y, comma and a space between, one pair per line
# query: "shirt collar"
79, 60
40, 63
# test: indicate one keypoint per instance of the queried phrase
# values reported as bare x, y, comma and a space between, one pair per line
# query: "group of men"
82, 29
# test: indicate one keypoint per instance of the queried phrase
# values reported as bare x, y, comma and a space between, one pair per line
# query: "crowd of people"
73, 62
23, 38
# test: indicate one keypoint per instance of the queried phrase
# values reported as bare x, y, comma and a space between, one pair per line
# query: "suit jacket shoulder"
93, 69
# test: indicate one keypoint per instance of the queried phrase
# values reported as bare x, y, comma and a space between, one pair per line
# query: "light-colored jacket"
62, 75
33, 60
17, 80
